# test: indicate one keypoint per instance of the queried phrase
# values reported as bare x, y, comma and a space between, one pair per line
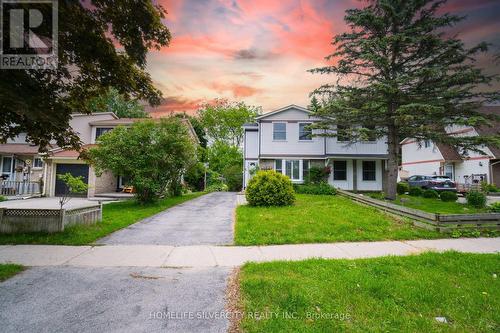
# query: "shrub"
402, 188
448, 196
476, 199
485, 187
430, 194
495, 207
318, 175
415, 191
322, 188
217, 187
2, 198
270, 188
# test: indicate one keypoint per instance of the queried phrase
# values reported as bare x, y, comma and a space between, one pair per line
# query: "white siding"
251, 144
369, 185
378, 147
292, 145
343, 184
80, 124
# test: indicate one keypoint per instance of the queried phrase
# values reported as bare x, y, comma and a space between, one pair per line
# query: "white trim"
291, 106
286, 130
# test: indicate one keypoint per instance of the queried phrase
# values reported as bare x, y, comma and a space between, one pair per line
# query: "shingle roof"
18, 149
449, 153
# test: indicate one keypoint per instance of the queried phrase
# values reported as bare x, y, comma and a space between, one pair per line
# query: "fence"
14, 187
17, 220
439, 222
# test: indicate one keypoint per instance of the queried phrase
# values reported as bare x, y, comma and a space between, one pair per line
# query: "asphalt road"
206, 220
72, 299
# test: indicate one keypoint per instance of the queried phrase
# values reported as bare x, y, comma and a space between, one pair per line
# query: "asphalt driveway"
207, 220
120, 299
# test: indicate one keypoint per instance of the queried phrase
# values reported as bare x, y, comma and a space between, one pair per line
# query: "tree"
227, 160
152, 154
399, 75
224, 120
112, 101
73, 185
197, 126
102, 44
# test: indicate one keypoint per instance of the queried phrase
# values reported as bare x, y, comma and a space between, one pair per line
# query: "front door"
449, 170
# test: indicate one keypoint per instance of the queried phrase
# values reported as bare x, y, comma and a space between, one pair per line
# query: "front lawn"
389, 294
115, 216
320, 219
432, 205
9, 270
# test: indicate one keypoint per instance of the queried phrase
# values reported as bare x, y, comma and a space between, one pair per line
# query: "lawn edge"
233, 301
16, 270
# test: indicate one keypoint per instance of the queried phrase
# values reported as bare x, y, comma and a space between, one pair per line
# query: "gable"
291, 112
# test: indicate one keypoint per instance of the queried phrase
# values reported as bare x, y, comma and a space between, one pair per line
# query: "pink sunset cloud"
259, 51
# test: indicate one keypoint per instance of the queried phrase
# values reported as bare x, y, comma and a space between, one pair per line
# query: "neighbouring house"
281, 140
89, 128
432, 158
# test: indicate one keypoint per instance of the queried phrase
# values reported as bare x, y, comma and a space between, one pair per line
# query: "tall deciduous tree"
223, 120
400, 75
113, 101
152, 154
102, 44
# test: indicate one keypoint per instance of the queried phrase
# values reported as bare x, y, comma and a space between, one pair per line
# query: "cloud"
174, 104
237, 90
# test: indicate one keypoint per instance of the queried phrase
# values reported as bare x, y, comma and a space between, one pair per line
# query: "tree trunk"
392, 163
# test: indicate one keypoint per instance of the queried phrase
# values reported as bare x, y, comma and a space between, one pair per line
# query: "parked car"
438, 183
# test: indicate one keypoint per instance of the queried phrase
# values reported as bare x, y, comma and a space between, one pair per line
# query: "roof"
288, 107
61, 152
95, 113
490, 130
449, 153
18, 149
116, 122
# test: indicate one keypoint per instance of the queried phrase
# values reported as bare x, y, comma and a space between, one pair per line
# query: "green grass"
320, 219
390, 294
115, 216
9, 270
434, 205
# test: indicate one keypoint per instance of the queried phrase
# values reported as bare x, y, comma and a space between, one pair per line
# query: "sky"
259, 51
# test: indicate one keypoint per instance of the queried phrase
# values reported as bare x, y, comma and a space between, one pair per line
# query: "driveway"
207, 220
118, 299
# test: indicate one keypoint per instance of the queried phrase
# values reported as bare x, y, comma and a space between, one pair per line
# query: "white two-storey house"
281, 140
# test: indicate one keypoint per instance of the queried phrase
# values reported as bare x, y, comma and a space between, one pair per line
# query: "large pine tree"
400, 74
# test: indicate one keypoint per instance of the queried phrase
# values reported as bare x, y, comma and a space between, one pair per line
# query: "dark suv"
438, 183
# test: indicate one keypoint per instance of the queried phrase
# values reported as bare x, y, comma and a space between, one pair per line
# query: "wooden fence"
14, 187
432, 221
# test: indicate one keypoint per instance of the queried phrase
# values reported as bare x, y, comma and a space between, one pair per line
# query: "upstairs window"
339, 170
369, 170
279, 131
101, 130
305, 132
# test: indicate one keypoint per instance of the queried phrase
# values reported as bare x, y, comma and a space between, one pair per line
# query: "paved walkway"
207, 220
226, 256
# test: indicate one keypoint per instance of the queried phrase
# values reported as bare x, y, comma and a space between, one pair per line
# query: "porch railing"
14, 187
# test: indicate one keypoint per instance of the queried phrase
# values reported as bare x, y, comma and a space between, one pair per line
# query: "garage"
75, 170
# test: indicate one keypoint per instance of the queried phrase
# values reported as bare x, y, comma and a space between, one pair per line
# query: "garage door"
75, 170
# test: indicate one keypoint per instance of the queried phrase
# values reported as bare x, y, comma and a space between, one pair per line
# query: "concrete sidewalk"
226, 256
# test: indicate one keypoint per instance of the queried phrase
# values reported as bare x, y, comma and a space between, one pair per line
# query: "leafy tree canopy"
40, 102
227, 160
223, 120
153, 154
197, 126
398, 74
113, 101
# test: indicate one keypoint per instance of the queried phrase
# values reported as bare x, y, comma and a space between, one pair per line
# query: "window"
342, 133
101, 130
339, 170
305, 170
369, 170
278, 166
37, 162
279, 131
448, 170
305, 132
427, 143
292, 169
7, 164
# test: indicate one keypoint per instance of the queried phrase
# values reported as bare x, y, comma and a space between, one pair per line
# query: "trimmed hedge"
402, 188
322, 188
415, 191
270, 188
476, 199
448, 196
431, 194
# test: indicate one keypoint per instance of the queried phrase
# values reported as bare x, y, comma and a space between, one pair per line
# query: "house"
432, 158
89, 128
281, 140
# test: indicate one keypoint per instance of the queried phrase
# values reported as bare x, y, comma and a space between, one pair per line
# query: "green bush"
495, 207
448, 196
270, 188
485, 187
323, 188
430, 194
476, 199
415, 191
402, 188
318, 175
2, 198
217, 187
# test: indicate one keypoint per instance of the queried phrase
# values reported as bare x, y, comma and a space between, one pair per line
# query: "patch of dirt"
233, 301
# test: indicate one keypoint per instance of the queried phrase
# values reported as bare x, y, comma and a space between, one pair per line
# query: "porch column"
354, 176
